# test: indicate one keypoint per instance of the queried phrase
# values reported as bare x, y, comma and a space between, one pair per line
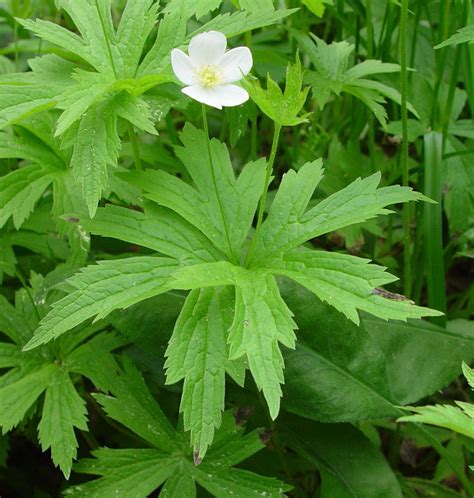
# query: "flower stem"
135, 149
232, 256
404, 154
263, 198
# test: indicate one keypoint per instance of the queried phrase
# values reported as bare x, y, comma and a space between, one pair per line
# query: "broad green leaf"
349, 284
101, 288
358, 202
132, 404
96, 146
197, 353
372, 365
282, 107
63, 410
463, 35
133, 473
344, 457
159, 229
18, 396
20, 190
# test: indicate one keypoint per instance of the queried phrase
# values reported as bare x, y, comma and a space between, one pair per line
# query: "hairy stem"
404, 154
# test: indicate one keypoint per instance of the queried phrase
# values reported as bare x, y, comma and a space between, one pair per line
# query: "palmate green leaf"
222, 207
102, 288
358, 202
282, 107
158, 228
257, 5
96, 146
261, 321
63, 410
348, 283
138, 472
20, 190
197, 353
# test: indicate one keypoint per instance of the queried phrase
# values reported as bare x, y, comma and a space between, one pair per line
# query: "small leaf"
63, 410
282, 107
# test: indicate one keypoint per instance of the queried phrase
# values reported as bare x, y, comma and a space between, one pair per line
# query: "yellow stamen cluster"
210, 76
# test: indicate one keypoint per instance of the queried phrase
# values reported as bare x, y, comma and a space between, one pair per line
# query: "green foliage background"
203, 303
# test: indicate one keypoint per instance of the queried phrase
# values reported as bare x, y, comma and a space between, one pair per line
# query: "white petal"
204, 95
183, 67
236, 64
207, 48
230, 95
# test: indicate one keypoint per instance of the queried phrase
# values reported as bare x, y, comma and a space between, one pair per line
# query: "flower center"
210, 75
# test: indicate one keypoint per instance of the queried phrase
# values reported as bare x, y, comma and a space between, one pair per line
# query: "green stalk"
370, 53
263, 198
433, 226
133, 140
404, 153
233, 257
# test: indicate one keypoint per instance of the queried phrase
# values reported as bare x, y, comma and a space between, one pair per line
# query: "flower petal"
236, 64
204, 95
207, 48
230, 95
183, 67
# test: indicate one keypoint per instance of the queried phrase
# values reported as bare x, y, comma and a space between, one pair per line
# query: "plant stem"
404, 155
263, 198
205, 125
136, 152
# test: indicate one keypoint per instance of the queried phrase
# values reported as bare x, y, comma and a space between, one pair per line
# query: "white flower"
209, 70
